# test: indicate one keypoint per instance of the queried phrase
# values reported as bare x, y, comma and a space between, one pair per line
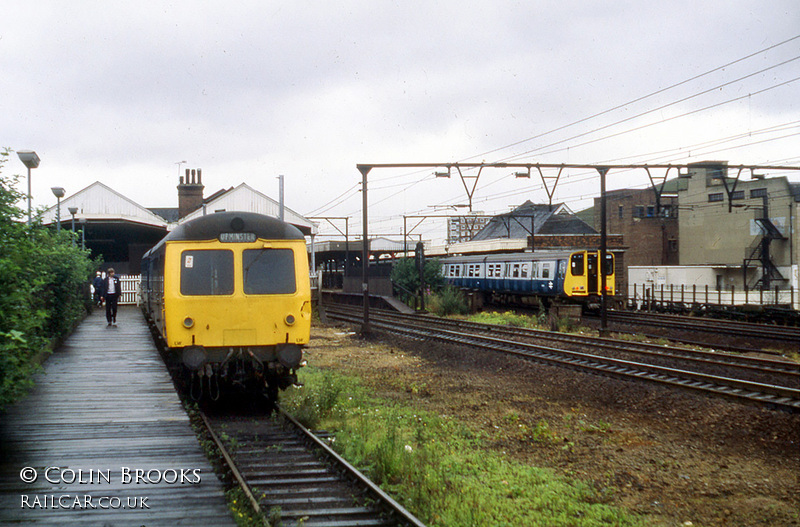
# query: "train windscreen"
269, 272
207, 272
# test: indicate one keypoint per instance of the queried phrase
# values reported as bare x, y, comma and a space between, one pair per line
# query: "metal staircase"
759, 251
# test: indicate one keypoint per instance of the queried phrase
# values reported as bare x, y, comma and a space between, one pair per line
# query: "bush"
42, 281
449, 301
405, 276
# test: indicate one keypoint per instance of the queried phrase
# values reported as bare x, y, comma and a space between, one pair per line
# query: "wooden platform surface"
103, 408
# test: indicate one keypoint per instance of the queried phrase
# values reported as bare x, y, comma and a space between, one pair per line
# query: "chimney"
190, 192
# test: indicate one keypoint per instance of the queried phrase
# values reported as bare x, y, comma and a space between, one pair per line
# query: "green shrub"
405, 276
42, 281
449, 301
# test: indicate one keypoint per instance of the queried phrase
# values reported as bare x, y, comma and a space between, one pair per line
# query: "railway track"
766, 382
292, 477
710, 325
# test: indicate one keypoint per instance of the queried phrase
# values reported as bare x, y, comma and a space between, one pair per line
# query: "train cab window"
269, 272
576, 264
609, 268
207, 272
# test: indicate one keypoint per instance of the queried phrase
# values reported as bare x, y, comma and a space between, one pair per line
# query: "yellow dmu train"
229, 296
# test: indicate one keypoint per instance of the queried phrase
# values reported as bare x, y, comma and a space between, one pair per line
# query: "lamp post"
58, 192
83, 233
30, 160
73, 211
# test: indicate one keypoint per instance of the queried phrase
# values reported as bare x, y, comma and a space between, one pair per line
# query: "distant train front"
546, 276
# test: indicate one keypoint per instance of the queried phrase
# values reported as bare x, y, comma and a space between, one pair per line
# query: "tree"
405, 276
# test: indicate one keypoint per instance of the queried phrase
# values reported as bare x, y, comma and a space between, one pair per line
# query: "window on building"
717, 196
621, 212
651, 211
672, 245
737, 194
758, 193
638, 211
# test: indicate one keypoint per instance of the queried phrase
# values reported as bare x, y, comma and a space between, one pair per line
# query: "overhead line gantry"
602, 170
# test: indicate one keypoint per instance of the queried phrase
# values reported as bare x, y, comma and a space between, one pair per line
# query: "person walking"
97, 284
110, 293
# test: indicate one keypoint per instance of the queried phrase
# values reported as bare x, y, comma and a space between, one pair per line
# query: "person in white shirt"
110, 292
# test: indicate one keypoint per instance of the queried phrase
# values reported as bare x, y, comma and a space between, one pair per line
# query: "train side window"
576, 264
515, 271
524, 271
562, 268
546, 270
208, 272
269, 272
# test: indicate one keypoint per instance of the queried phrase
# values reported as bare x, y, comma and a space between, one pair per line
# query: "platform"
106, 439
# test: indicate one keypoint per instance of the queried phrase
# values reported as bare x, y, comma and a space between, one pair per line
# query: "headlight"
188, 322
289, 320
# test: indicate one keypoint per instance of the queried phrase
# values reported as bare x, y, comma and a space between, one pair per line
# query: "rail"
299, 477
786, 398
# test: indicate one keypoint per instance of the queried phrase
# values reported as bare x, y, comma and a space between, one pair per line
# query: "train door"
591, 273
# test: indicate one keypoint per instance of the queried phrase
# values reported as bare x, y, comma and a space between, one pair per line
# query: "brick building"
650, 229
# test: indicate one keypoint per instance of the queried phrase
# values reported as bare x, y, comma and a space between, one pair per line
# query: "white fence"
130, 289
648, 294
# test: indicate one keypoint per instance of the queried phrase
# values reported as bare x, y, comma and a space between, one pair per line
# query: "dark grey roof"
169, 214
546, 220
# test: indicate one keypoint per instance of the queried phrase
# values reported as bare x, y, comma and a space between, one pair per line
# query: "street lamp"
73, 211
83, 233
58, 192
30, 160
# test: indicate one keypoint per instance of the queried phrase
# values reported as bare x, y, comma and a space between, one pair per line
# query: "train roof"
511, 257
210, 227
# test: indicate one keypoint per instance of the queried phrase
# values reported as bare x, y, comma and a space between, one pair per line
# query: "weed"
541, 432
449, 301
504, 319
440, 470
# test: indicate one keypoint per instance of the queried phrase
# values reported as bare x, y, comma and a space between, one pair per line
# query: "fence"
130, 289
646, 296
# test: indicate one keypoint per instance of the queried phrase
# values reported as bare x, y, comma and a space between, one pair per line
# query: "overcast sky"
249, 90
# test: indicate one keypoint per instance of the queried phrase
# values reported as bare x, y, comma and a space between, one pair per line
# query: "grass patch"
507, 318
439, 468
